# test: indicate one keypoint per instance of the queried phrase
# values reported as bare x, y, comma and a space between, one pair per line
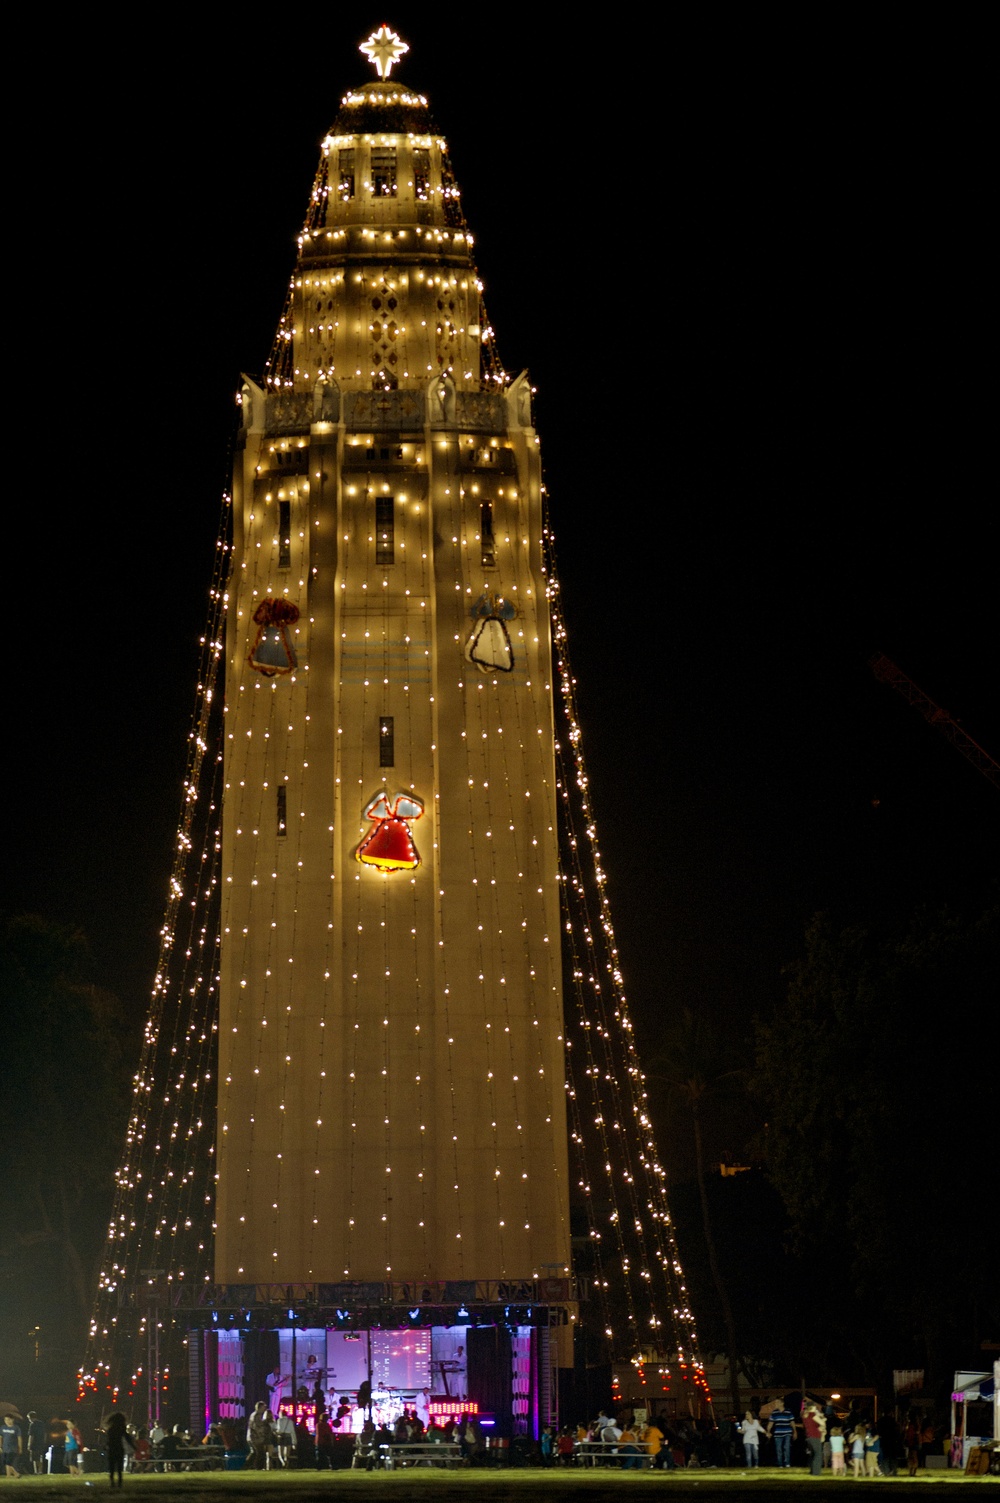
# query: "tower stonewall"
391, 1055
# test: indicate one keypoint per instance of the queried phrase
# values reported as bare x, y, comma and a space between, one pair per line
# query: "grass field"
477, 1486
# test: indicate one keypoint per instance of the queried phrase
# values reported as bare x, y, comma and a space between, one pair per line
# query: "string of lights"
658, 1316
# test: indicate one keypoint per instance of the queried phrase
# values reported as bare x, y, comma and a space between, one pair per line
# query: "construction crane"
887, 673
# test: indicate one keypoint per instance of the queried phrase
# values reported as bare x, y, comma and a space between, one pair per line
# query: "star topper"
383, 48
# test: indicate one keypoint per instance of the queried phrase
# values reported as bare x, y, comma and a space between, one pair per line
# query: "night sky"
747, 273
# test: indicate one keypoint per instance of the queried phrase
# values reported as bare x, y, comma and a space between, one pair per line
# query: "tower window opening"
282, 793
384, 171
486, 534
386, 742
385, 531
345, 186
284, 534
422, 173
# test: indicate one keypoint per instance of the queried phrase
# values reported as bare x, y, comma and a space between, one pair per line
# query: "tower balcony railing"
397, 411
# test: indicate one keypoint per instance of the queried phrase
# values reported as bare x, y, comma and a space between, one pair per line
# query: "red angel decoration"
390, 847
272, 651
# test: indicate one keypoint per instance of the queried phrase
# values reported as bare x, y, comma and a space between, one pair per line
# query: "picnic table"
612, 1453
420, 1453
188, 1459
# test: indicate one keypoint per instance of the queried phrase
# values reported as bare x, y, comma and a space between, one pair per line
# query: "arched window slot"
284, 534
486, 534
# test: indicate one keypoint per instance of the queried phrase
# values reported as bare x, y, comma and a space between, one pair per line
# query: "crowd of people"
30, 1446
815, 1434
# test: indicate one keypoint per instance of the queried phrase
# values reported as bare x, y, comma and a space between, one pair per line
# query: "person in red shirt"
565, 1446
815, 1427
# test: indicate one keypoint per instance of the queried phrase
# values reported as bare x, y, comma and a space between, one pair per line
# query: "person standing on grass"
815, 1428
10, 1437
37, 1442
115, 1432
751, 1430
781, 1426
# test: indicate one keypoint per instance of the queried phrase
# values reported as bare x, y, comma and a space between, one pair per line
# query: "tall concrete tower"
355, 1051
391, 1071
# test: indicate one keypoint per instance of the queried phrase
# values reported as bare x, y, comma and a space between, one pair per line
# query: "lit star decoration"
383, 48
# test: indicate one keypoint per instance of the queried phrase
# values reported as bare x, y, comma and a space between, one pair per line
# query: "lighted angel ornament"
489, 646
389, 846
272, 652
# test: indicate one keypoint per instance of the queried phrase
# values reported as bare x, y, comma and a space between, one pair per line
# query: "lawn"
477, 1486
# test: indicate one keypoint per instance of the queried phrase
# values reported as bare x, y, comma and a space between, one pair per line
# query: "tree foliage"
877, 1078
62, 1114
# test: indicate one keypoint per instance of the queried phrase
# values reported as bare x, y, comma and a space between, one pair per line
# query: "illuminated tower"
355, 1055
391, 1069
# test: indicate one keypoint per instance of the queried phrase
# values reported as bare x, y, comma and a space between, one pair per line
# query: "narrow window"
386, 742
284, 534
346, 185
385, 530
282, 810
422, 173
384, 171
486, 534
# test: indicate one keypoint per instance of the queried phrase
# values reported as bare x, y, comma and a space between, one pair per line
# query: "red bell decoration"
272, 652
389, 847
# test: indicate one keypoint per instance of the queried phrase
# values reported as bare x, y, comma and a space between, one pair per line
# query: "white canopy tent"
973, 1388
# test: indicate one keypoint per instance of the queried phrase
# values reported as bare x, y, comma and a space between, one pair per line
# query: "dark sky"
748, 273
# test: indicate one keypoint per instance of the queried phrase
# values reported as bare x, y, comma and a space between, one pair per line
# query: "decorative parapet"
289, 412
366, 411
385, 411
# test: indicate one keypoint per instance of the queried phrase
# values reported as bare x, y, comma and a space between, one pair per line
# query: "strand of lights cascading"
489, 734
474, 733
415, 574
184, 1176
480, 896
280, 994
530, 856
592, 1073
667, 1255
447, 461
601, 1282
256, 1007
246, 1034
107, 1344
668, 1260
350, 898
252, 1014
574, 892
327, 1091
609, 1072
369, 1009
371, 1054
142, 1142
390, 958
